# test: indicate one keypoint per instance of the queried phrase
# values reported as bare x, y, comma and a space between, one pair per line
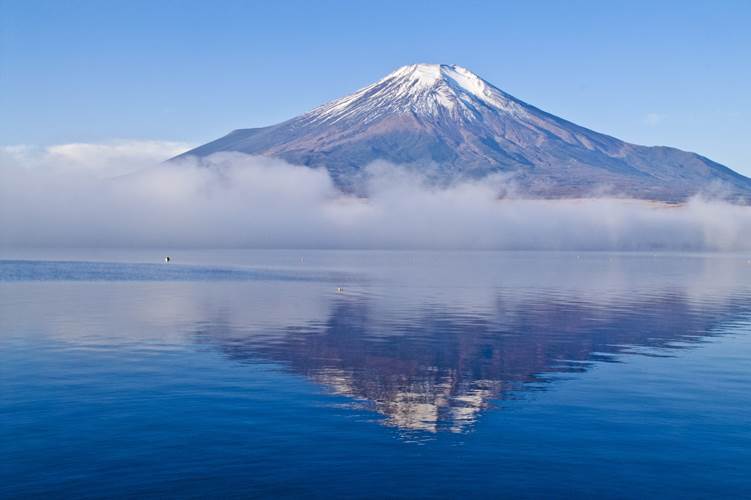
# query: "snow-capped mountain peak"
450, 122
427, 76
427, 90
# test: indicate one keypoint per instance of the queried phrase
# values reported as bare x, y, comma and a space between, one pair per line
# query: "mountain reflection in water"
285, 374
432, 358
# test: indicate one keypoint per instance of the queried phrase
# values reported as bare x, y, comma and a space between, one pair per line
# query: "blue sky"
673, 73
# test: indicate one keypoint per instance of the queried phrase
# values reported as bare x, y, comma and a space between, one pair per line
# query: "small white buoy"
339, 289
167, 258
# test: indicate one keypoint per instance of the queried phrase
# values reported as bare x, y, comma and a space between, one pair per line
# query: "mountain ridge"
446, 120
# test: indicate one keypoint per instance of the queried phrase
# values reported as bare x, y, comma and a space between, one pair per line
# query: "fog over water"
120, 195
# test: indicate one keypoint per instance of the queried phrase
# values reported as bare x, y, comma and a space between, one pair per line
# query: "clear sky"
673, 73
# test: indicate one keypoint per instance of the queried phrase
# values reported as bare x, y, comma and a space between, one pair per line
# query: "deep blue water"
431, 374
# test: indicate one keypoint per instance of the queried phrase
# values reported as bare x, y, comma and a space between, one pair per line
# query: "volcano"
450, 124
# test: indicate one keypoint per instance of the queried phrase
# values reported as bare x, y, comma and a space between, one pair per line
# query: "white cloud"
59, 197
108, 159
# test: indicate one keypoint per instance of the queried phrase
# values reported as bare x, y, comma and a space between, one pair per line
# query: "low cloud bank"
117, 195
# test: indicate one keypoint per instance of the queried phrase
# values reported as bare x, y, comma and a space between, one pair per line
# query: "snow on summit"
423, 89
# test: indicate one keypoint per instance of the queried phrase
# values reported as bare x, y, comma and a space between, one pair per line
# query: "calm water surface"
237, 374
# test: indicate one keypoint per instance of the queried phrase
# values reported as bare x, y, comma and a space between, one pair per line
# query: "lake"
369, 374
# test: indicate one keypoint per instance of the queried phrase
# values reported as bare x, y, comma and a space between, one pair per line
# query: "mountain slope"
454, 124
